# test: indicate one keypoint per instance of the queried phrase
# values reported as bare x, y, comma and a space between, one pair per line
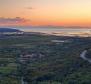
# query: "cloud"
14, 21
11, 20
30, 8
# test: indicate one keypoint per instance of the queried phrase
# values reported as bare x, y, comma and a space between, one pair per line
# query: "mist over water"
59, 31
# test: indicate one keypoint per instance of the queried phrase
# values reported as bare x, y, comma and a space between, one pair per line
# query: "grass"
8, 69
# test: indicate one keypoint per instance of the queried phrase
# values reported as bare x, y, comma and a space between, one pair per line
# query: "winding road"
83, 56
22, 81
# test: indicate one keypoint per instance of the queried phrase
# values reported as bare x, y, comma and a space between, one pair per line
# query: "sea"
58, 31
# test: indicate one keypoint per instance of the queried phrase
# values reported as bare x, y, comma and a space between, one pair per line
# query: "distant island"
10, 31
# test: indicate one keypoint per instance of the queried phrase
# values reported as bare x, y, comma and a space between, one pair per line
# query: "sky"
45, 12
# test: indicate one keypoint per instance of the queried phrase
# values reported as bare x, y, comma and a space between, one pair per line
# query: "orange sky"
45, 12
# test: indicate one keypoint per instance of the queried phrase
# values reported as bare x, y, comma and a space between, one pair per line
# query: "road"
83, 56
22, 81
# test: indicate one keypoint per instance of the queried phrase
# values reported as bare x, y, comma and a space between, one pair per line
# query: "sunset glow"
46, 12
